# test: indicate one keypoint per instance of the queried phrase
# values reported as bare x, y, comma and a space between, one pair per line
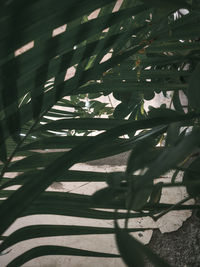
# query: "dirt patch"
180, 248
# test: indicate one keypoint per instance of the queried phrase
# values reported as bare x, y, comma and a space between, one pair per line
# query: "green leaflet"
129, 86
171, 156
36, 231
3, 149
156, 193
55, 250
9, 94
172, 47
169, 5
142, 154
172, 134
177, 103
121, 111
191, 175
66, 176
131, 255
83, 124
194, 89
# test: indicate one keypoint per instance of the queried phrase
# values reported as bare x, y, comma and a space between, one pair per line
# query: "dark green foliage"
41, 108
191, 178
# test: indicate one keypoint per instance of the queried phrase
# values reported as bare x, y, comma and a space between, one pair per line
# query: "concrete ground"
101, 243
